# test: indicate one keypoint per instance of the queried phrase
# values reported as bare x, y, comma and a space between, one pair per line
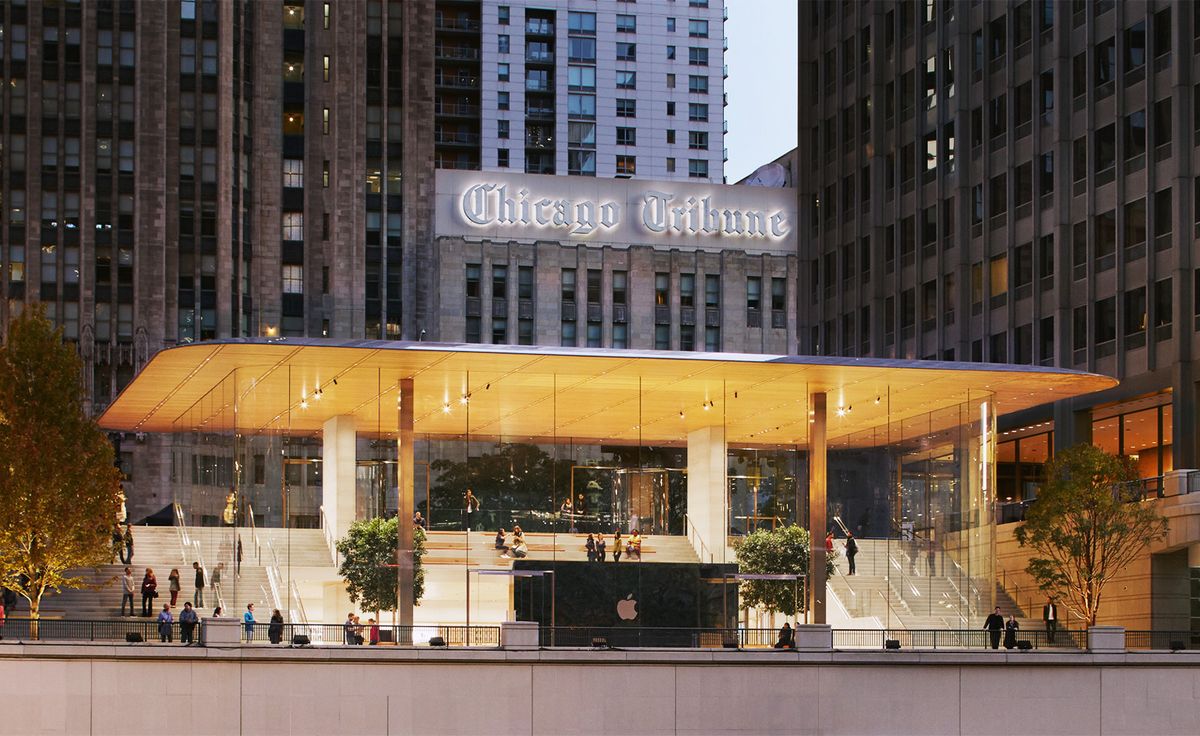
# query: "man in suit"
995, 626
1050, 616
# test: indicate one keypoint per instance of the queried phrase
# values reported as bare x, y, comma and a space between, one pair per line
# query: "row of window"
583, 163
584, 24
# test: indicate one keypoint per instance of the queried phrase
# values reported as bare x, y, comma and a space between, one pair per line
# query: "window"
582, 77
626, 24
998, 195
670, 81
670, 25
1162, 219
671, 137
293, 172
753, 299
582, 134
325, 173
593, 285
662, 337
1106, 320
662, 289
1135, 45
1135, 311
502, 100
998, 37
1106, 62
582, 106
503, 14
499, 282
697, 56
1134, 134
293, 226
473, 280
525, 282
698, 140
627, 165
712, 291
626, 136
325, 67
1106, 148
626, 51
1161, 120
670, 53
697, 168
293, 279
581, 49
326, 15
502, 72
1162, 32
697, 84
502, 158
698, 112
568, 333
1045, 174
687, 289
499, 331
582, 23
625, 108
325, 120
1162, 304
625, 80
670, 108
698, 28
568, 285
581, 163
503, 43
502, 128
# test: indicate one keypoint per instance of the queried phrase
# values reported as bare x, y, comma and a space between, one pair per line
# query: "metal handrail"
330, 542
691, 528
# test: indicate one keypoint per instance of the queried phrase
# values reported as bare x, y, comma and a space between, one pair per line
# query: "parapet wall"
154, 690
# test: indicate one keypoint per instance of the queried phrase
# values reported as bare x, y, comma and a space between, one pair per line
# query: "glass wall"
567, 458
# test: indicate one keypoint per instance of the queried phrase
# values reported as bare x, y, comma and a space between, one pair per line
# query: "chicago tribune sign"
678, 214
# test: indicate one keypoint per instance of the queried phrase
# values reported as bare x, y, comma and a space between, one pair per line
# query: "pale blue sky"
762, 83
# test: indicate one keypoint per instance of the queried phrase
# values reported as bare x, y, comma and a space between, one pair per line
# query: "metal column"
404, 504
816, 509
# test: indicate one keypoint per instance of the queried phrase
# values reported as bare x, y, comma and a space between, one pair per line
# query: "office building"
1010, 182
607, 88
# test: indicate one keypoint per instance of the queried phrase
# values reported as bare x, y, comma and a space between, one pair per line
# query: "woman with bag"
173, 585
149, 592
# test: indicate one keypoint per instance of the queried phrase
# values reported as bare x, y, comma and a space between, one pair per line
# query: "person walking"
275, 629
1050, 617
187, 624
149, 592
248, 622
851, 551
618, 546
1010, 632
173, 585
128, 585
128, 537
166, 624
198, 599
994, 624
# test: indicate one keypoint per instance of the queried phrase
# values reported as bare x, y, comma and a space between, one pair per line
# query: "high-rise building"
1010, 182
607, 88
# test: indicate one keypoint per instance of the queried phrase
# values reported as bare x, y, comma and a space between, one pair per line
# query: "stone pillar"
1193, 555
815, 589
338, 486
706, 492
404, 504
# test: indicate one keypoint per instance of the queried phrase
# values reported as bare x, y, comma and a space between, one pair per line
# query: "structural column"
338, 487
707, 522
1194, 588
816, 510
404, 505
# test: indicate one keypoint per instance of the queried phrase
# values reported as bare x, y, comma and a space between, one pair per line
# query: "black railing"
1168, 640
25, 629
959, 639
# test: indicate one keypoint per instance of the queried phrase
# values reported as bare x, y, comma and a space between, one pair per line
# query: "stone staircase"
904, 589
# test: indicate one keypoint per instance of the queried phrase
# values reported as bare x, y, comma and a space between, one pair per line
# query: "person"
567, 511
618, 547
118, 544
216, 580
995, 626
187, 624
128, 585
372, 632
500, 545
165, 623
275, 630
2, 618
198, 599
149, 591
173, 585
237, 570
358, 631
419, 520
600, 548
1010, 632
635, 545
787, 637
1050, 616
217, 612
248, 621
829, 542
229, 515
518, 547
128, 559
470, 506
590, 546
851, 550
348, 629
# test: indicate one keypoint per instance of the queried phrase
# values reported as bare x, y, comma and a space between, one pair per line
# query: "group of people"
516, 548
122, 544
353, 629
597, 547
851, 549
149, 587
189, 619
996, 626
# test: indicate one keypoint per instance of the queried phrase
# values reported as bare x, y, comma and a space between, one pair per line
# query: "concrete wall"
154, 690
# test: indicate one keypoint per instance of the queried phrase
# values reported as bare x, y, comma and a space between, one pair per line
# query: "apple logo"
627, 609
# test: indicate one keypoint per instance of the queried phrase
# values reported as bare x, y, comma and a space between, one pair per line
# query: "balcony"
456, 138
458, 82
538, 27
462, 53
535, 85
456, 111
456, 24
539, 57
539, 113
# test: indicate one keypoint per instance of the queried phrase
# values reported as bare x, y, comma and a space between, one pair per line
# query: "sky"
762, 83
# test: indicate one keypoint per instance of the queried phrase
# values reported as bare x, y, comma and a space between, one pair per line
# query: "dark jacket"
199, 577
1010, 634
851, 547
994, 622
188, 617
275, 629
149, 586
1047, 609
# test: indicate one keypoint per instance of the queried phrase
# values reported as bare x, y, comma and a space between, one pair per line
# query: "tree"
782, 551
59, 489
1086, 526
369, 564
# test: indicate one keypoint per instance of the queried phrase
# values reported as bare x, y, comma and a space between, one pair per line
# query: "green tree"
782, 551
1086, 526
369, 564
59, 489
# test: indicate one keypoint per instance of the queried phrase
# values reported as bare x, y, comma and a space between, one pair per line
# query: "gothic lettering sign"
502, 206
